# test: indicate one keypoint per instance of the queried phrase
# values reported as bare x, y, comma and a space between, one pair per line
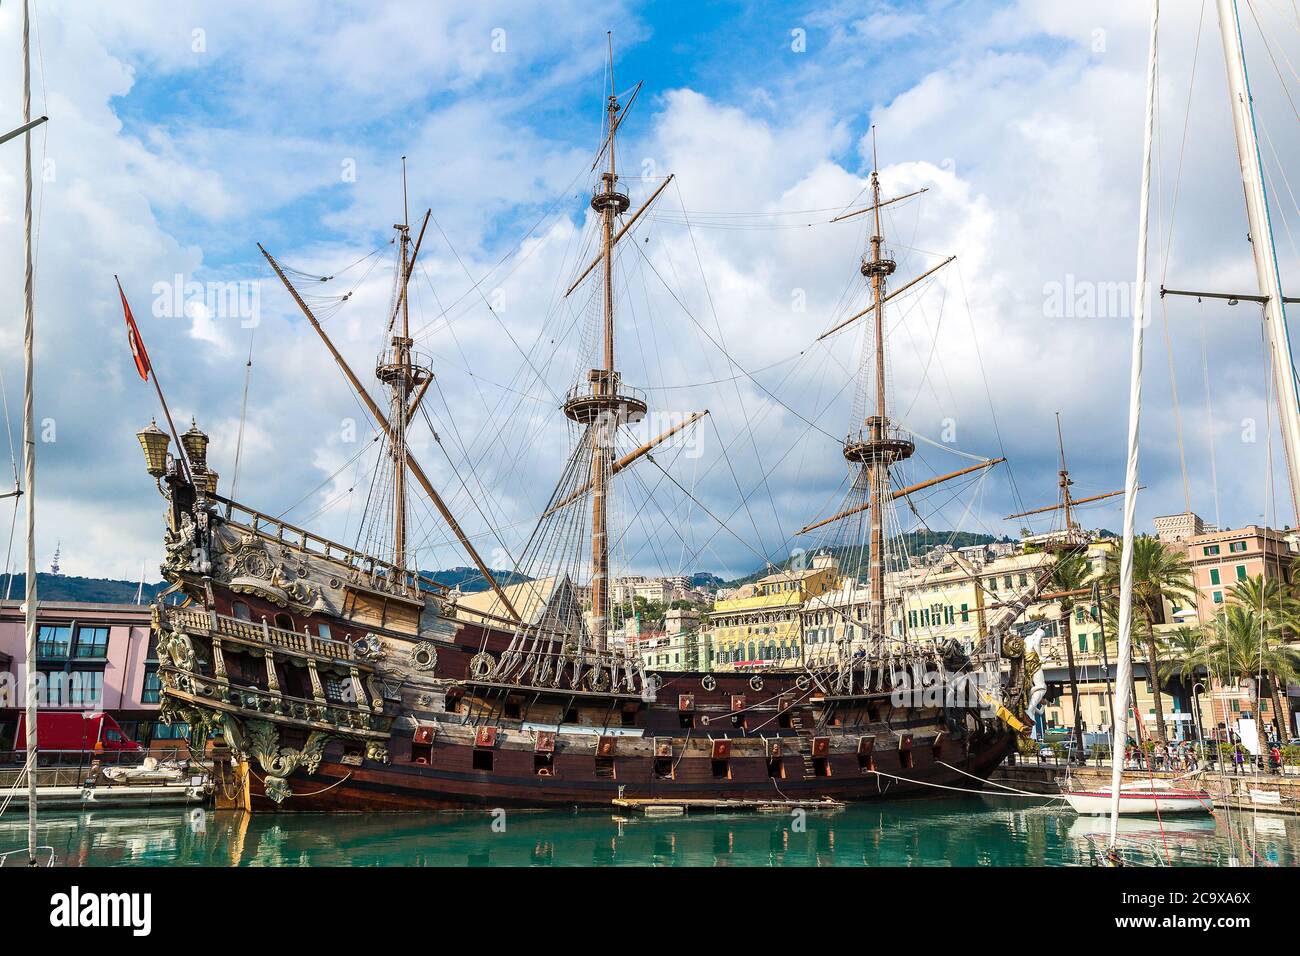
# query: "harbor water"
960, 832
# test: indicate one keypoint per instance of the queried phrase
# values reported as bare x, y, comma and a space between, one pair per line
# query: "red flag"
133, 337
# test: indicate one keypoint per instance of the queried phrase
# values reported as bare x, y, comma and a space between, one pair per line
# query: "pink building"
90, 657
1220, 560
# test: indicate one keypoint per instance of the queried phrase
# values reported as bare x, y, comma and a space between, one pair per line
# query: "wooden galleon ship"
322, 677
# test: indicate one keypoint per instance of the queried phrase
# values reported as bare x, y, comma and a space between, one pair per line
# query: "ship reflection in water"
913, 833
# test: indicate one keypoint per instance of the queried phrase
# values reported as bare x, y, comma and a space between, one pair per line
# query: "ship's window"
571, 715
783, 719
323, 630
628, 718
821, 767
483, 759
451, 703
905, 759
722, 769
421, 753
284, 621
543, 765
241, 611
664, 768
605, 767
337, 690
688, 721
775, 769
866, 763
512, 708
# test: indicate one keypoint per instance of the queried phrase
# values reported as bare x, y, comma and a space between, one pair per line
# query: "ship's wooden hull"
513, 782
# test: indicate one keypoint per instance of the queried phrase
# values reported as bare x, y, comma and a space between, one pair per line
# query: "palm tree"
1184, 653
1158, 573
1244, 647
1281, 613
1110, 610
1070, 573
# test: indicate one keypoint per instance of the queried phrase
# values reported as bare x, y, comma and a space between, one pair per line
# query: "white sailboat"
1143, 798
1161, 796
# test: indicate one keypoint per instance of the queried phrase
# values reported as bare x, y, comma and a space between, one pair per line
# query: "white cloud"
1026, 137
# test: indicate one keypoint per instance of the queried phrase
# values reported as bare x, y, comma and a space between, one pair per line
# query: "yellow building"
762, 622
954, 599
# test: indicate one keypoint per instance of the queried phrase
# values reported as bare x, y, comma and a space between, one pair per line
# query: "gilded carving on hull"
262, 740
175, 645
424, 656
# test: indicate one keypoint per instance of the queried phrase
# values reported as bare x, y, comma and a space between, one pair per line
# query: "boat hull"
340, 786
1140, 802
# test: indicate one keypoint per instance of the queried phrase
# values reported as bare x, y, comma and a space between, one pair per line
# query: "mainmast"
875, 446
600, 406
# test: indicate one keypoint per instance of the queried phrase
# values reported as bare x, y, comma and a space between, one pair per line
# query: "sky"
183, 134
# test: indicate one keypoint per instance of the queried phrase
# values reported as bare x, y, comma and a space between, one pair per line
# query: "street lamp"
1196, 704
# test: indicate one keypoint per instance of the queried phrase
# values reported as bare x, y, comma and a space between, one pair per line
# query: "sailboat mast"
1124, 662
1261, 242
29, 443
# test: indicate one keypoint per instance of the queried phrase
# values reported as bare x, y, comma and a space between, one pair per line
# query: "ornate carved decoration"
262, 740
424, 656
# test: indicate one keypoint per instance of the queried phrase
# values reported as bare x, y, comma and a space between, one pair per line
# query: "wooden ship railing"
412, 582
210, 623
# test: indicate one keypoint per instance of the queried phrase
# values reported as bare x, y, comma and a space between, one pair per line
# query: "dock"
126, 795
676, 807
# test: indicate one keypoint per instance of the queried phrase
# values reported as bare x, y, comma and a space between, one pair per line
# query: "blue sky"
183, 134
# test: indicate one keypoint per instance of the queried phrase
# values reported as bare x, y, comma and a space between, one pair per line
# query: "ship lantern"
154, 441
212, 484
196, 447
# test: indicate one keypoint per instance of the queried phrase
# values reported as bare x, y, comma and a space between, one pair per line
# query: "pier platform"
668, 806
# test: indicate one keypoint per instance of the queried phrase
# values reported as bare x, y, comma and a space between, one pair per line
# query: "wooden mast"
602, 407
874, 446
382, 420
400, 388
601, 438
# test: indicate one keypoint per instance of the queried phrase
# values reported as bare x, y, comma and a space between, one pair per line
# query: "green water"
963, 832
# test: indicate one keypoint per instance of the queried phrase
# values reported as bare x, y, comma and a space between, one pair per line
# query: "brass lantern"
154, 441
196, 448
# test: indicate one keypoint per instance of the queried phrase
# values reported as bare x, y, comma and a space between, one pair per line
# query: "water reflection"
914, 833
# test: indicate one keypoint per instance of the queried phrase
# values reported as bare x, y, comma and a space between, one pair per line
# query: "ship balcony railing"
344, 715
411, 583
264, 634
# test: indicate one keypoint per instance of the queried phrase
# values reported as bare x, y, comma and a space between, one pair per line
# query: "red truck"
75, 730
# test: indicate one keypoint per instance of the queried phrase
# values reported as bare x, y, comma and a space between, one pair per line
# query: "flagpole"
153, 377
